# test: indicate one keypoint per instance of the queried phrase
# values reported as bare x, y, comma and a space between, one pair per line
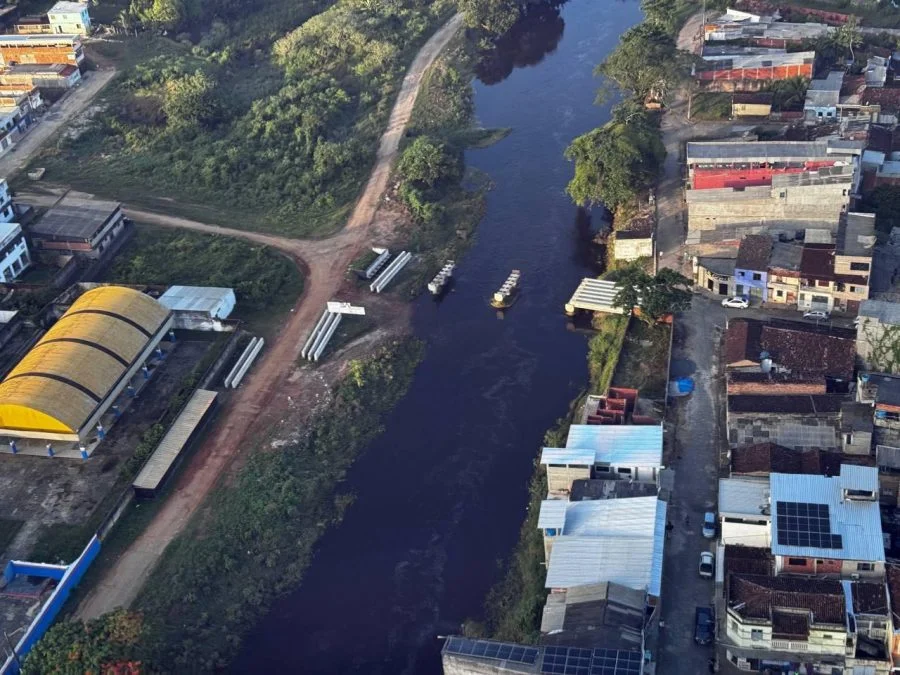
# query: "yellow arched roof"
73, 368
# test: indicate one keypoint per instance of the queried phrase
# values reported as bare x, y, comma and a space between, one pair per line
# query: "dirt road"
59, 115
324, 263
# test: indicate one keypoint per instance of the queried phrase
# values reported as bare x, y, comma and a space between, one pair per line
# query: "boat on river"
437, 285
508, 293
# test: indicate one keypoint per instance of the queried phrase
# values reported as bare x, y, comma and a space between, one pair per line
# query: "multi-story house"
752, 265
783, 275
817, 277
853, 261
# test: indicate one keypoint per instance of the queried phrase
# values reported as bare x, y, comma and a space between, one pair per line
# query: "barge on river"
508, 292
437, 285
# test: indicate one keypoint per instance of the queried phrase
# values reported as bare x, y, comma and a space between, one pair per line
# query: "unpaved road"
324, 263
59, 115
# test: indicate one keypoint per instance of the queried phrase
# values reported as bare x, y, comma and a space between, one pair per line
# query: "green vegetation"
643, 363
884, 202
260, 530
877, 14
604, 350
262, 131
711, 106
263, 279
107, 644
655, 296
617, 162
788, 94
669, 15
646, 63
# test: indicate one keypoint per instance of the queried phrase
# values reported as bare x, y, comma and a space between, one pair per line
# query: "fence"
68, 577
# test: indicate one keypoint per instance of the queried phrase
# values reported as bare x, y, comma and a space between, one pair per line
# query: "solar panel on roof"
577, 661
489, 649
805, 524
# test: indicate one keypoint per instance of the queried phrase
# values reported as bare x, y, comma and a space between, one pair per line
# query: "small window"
625, 471
820, 562
734, 626
799, 562
853, 289
740, 274
756, 634
757, 276
551, 531
779, 294
859, 266
826, 636
865, 567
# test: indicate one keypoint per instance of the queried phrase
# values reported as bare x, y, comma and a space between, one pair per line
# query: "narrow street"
694, 438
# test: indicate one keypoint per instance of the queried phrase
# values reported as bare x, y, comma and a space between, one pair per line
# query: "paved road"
692, 450
58, 116
324, 262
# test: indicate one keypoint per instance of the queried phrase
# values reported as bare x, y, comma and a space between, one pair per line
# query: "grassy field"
711, 106
644, 360
265, 282
270, 123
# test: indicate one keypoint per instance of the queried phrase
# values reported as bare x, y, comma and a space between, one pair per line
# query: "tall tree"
847, 36
646, 62
492, 16
656, 296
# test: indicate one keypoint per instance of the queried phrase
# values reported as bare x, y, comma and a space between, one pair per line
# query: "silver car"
737, 301
707, 565
816, 314
709, 525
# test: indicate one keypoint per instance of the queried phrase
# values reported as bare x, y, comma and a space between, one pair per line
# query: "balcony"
789, 645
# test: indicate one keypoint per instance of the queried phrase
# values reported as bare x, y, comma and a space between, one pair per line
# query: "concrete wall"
791, 207
745, 284
632, 249
745, 534
560, 478
820, 641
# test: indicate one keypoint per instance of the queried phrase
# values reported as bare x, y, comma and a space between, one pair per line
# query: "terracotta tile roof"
766, 458
749, 560
754, 252
817, 262
742, 340
807, 353
789, 625
762, 595
869, 598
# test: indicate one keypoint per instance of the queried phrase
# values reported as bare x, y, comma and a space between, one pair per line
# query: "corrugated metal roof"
553, 514
737, 61
859, 478
622, 445
858, 522
174, 441
757, 151
634, 559
596, 295
742, 496
887, 456
207, 299
579, 456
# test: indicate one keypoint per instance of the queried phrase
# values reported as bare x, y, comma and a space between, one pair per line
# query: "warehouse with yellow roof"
70, 378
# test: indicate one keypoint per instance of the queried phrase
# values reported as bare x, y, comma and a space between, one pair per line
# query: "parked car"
737, 301
704, 625
816, 314
709, 525
707, 565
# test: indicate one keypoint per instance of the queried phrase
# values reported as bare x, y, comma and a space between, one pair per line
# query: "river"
442, 493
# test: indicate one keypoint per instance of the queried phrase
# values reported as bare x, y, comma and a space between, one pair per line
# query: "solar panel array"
491, 650
576, 661
804, 524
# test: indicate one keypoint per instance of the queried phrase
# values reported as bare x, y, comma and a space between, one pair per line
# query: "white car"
709, 525
816, 314
707, 565
738, 302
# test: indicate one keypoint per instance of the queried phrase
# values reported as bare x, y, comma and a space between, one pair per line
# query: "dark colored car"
704, 626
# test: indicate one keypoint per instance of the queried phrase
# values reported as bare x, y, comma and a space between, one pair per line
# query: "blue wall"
743, 277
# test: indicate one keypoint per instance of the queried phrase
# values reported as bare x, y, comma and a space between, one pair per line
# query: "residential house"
751, 104
882, 392
853, 260
752, 265
762, 459
70, 18
876, 71
14, 255
7, 209
41, 49
817, 277
744, 513
822, 98
798, 422
613, 540
76, 226
715, 274
877, 335
783, 275
631, 452
765, 31
58, 76
887, 459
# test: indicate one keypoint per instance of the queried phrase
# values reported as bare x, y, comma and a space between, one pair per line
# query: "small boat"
508, 292
437, 285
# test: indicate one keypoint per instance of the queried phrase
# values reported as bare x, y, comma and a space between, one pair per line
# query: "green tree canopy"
106, 644
847, 36
646, 62
190, 100
426, 161
491, 16
616, 162
656, 296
